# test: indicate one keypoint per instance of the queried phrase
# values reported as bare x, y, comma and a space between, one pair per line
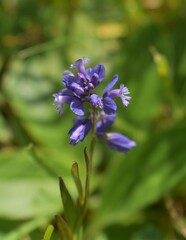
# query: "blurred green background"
138, 196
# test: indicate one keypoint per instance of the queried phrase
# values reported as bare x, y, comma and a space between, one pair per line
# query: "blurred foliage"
144, 42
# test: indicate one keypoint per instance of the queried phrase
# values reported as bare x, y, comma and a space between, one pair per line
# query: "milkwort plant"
94, 114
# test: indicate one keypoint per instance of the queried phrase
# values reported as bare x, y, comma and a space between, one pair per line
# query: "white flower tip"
86, 60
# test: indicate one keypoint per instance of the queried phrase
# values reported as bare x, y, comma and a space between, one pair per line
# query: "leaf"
20, 231
48, 232
63, 228
26, 189
87, 179
26, 198
147, 230
70, 210
77, 180
147, 174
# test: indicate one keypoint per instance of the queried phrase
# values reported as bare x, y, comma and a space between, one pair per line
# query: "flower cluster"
90, 108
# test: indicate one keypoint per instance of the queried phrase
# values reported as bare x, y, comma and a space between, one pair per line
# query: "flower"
106, 103
101, 112
114, 140
85, 80
104, 122
78, 87
122, 92
68, 96
119, 142
80, 129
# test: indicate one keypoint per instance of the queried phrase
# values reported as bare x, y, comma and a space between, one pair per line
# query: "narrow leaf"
70, 210
63, 228
87, 181
48, 232
77, 180
87, 160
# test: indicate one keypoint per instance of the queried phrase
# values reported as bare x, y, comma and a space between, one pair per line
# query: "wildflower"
114, 140
68, 96
80, 129
106, 103
119, 142
85, 80
104, 122
79, 89
122, 92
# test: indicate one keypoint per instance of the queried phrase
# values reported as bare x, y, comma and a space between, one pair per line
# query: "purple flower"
67, 96
79, 64
80, 129
121, 93
79, 90
119, 142
86, 79
104, 122
106, 103
79, 87
114, 140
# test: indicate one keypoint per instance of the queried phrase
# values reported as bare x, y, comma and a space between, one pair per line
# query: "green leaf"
77, 180
63, 228
70, 210
147, 230
25, 228
48, 232
146, 174
26, 198
26, 189
88, 172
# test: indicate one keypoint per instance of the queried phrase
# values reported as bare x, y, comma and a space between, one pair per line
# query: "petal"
109, 106
125, 100
111, 84
89, 71
59, 100
119, 142
73, 83
96, 101
79, 64
66, 92
68, 78
77, 88
79, 120
104, 123
80, 129
77, 107
120, 93
100, 71
123, 91
95, 79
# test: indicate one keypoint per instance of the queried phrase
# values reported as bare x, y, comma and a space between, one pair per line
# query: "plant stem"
93, 141
89, 160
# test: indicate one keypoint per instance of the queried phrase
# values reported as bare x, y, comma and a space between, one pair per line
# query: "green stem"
90, 157
93, 141
89, 160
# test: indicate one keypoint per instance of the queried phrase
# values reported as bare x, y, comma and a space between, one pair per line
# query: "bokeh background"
138, 196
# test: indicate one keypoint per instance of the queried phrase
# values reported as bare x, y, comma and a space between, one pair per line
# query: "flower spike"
79, 93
